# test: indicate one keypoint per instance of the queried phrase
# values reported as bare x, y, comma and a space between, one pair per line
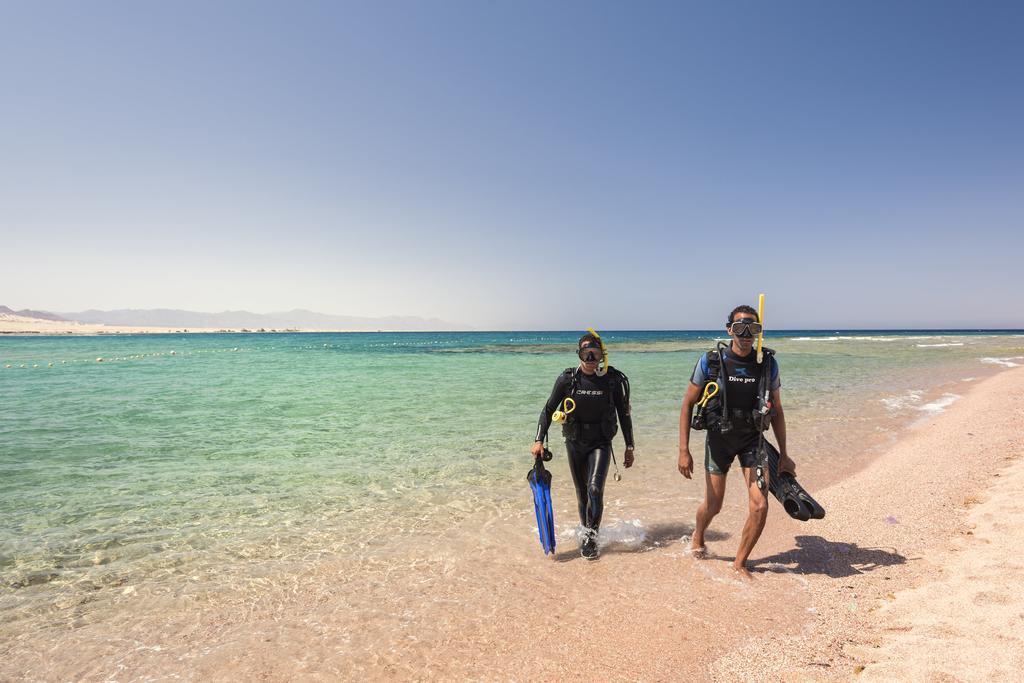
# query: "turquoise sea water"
184, 465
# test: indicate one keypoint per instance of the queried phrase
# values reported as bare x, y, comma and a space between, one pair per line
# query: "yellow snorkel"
760, 319
603, 367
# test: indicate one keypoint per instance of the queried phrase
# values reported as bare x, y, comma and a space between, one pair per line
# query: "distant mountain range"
295, 319
28, 313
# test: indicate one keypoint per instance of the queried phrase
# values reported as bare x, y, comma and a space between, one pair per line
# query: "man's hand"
537, 449
685, 462
786, 464
627, 459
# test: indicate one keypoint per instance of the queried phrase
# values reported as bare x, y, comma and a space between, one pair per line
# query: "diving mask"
745, 328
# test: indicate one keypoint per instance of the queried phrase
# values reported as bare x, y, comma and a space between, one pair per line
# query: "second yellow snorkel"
603, 367
760, 319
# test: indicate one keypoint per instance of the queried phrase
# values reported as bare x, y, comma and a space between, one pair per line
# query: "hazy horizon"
518, 166
455, 326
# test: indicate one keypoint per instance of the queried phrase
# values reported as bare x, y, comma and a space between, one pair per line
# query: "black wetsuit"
589, 431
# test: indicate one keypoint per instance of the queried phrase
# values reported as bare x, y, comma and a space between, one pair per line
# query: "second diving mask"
745, 328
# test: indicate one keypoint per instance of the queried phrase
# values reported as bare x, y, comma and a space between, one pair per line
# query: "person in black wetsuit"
739, 376
599, 395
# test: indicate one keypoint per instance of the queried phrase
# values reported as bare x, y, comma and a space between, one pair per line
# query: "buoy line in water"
140, 356
120, 359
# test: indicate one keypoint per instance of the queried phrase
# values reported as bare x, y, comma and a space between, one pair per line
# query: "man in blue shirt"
738, 380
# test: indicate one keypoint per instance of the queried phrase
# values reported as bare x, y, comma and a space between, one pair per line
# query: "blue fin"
540, 484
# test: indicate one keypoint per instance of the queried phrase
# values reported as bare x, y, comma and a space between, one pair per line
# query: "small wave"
906, 400
1009, 362
779, 568
853, 338
968, 379
940, 404
875, 339
628, 533
935, 346
912, 398
714, 575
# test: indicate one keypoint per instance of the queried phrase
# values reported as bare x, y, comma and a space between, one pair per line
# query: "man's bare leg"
712, 505
756, 518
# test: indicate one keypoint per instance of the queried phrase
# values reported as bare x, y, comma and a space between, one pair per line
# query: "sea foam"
940, 404
851, 338
906, 400
1009, 362
912, 398
628, 533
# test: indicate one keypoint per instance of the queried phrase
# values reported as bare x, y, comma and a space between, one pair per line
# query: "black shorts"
721, 449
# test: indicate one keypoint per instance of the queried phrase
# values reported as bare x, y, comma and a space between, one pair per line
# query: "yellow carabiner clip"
560, 416
710, 389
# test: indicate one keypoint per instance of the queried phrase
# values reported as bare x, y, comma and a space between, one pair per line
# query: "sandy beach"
905, 579
290, 297
21, 325
913, 573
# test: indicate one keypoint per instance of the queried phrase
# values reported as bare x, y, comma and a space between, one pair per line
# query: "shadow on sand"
816, 555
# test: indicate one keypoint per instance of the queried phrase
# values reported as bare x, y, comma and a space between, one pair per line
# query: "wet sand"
479, 601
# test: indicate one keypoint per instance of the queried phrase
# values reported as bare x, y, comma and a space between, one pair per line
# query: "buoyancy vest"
742, 399
574, 428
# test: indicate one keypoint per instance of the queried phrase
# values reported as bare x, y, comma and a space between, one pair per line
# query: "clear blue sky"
518, 165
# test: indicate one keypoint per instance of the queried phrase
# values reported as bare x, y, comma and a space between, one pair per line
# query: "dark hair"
592, 338
744, 309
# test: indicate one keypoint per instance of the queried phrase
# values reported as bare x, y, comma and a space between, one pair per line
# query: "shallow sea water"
186, 472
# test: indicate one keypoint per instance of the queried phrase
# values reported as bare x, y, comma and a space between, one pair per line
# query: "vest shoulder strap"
714, 360
619, 382
570, 374
765, 371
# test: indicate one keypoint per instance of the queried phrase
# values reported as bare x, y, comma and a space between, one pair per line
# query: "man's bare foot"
743, 572
699, 551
